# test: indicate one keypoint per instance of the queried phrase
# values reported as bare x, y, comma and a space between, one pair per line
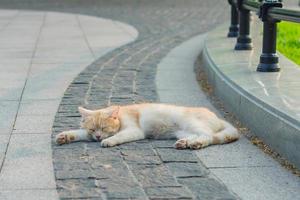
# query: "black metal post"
244, 41
234, 26
269, 58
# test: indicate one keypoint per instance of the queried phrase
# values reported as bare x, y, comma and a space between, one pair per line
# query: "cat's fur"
194, 128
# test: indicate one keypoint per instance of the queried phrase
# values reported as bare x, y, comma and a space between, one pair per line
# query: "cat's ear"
84, 112
115, 112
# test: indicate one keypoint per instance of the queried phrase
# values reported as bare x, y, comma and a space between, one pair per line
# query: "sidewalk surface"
43, 52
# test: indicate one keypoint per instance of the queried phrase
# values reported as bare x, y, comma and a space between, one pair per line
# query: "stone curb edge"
274, 122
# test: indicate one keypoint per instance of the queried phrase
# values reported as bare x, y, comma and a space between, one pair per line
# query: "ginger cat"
194, 128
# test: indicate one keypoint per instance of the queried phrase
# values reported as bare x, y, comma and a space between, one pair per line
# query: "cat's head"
101, 124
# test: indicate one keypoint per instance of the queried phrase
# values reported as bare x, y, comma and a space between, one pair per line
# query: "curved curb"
265, 120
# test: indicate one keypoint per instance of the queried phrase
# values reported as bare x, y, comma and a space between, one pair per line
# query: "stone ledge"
268, 103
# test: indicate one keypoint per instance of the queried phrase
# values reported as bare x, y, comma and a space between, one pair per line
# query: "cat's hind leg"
197, 136
184, 139
66, 137
226, 135
194, 142
205, 138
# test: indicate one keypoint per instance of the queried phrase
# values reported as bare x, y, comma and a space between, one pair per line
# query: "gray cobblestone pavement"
145, 169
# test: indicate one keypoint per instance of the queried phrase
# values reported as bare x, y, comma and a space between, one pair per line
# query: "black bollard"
244, 41
269, 58
234, 26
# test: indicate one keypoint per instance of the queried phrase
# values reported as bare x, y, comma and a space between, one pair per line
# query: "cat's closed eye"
92, 130
104, 128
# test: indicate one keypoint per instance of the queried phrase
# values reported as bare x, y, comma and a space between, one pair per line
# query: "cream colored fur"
194, 128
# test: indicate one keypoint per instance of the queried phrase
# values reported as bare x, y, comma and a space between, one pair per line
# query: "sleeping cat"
194, 128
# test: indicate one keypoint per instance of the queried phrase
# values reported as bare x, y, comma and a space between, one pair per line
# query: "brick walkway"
139, 170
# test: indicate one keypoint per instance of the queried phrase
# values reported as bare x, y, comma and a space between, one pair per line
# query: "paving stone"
67, 166
120, 184
163, 143
3, 145
173, 155
138, 145
78, 188
142, 156
238, 154
262, 176
44, 107
29, 194
14, 177
28, 146
7, 117
33, 153
207, 188
126, 193
140, 152
169, 193
76, 174
154, 175
181, 170
32, 124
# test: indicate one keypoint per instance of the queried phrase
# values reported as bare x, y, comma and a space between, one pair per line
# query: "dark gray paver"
207, 188
168, 193
184, 169
169, 155
141, 170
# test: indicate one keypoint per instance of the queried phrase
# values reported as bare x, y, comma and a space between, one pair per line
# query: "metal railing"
270, 12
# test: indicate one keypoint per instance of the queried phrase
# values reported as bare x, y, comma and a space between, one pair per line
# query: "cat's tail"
226, 135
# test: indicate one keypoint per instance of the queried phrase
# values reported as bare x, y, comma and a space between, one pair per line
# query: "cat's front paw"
64, 138
61, 138
107, 143
199, 144
181, 144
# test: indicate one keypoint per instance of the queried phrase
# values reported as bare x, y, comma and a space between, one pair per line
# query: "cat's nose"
98, 137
